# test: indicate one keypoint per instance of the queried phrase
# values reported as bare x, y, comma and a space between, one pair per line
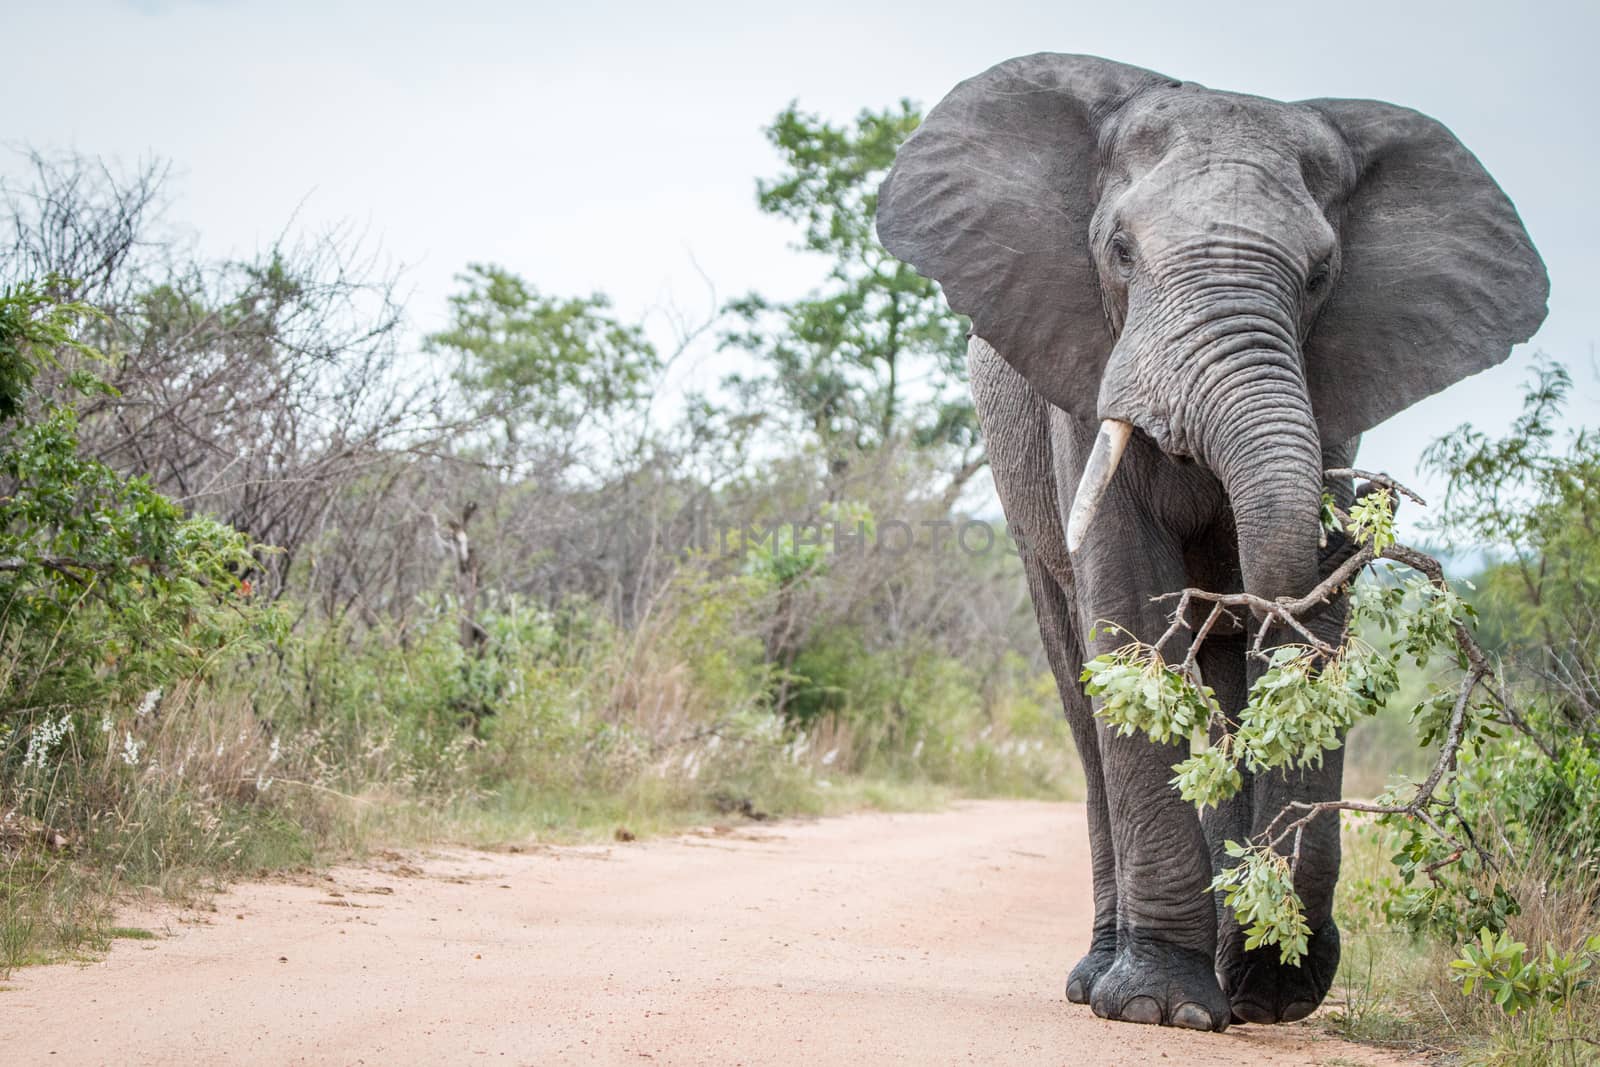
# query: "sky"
614, 147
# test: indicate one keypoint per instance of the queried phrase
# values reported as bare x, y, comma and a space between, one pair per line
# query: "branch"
1287, 612
1376, 479
1417, 807
1477, 659
71, 567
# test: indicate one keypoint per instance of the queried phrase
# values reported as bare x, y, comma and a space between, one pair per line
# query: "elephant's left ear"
1439, 278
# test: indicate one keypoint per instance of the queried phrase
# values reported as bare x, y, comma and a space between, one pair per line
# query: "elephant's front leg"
1261, 987
1164, 971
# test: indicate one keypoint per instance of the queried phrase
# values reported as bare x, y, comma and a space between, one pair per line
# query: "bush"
116, 609
1512, 919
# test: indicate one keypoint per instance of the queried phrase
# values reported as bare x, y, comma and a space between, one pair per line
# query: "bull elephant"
1187, 305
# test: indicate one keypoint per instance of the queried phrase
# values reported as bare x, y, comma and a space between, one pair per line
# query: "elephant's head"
1239, 279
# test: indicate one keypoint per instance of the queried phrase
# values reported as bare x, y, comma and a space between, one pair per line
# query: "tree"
251, 391
542, 366
1537, 509
873, 355
1533, 502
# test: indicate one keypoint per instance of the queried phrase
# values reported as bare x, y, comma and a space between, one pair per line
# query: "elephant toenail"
1099, 1008
1248, 1011
1076, 993
1192, 1016
1141, 1010
1298, 1010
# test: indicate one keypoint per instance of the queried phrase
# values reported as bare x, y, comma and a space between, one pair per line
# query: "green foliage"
711, 627
1260, 890
1514, 857
117, 611
542, 364
1538, 804
1139, 693
1535, 502
1372, 520
107, 589
847, 358
783, 555
1296, 712
914, 713
35, 330
1441, 890
1210, 776
1500, 966
1301, 706
1420, 617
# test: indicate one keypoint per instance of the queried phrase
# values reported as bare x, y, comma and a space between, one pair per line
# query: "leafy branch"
1308, 696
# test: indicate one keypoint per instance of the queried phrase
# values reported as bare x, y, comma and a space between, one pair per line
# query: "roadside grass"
1385, 991
216, 784
1557, 913
1388, 989
1396, 988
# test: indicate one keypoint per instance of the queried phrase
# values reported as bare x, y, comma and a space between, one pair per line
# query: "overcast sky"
612, 146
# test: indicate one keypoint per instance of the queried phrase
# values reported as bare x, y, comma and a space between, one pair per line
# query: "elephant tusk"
1103, 460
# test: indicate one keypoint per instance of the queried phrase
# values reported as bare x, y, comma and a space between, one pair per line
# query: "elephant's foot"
1157, 983
1087, 971
1264, 990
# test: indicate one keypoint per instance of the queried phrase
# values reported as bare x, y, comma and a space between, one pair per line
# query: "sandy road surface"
925, 939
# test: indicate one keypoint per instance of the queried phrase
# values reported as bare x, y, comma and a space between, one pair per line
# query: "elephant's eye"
1122, 254
1319, 277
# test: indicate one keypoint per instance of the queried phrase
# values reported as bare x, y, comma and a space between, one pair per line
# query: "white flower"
273, 753
148, 704
130, 749
43, 738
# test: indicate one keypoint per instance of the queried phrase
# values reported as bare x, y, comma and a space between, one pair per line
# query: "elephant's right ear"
992, 197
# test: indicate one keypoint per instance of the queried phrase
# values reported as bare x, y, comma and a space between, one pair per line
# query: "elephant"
1187, 305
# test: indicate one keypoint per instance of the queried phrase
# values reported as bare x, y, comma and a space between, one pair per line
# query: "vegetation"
1512, 927
275, 587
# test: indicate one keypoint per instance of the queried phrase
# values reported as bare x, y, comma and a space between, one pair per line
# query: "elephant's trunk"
1224, 385
1260, 438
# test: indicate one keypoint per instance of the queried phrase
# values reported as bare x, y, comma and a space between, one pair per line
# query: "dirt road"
925, 939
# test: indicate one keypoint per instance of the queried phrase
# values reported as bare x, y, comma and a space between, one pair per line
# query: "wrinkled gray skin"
1250, 284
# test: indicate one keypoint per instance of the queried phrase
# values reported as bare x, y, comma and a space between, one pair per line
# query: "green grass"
1395, 988
1386, 991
